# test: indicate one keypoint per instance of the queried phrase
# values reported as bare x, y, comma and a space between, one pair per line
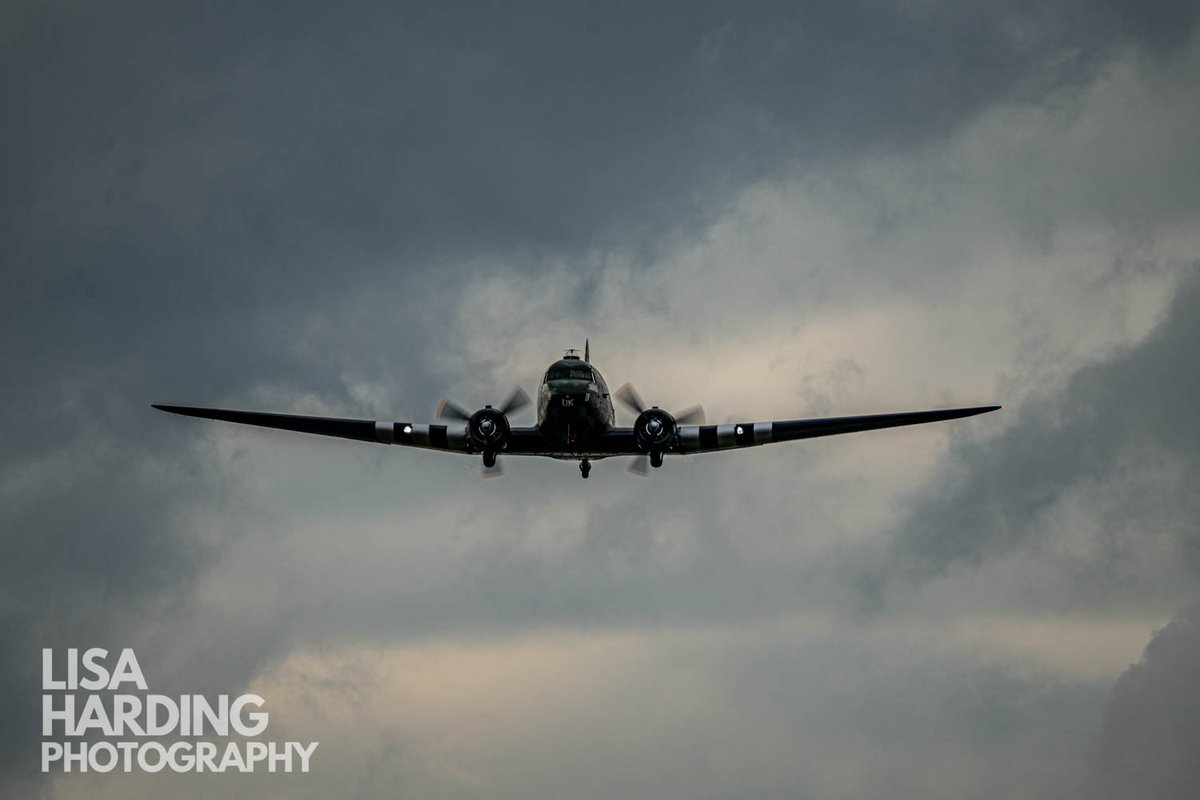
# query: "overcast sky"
778, 210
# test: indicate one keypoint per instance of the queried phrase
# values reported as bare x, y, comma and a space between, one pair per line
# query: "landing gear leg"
489, 459
656, 459
584, 468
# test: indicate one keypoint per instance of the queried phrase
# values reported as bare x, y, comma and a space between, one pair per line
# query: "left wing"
708, 438
430, 437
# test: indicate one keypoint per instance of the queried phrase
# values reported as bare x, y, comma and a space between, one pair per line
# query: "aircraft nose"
566, 392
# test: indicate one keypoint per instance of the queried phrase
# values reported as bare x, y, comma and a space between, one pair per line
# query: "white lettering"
128, 670
305, 752
155, 726
48, 682
257, 718
51, 751
90, 658
50, 715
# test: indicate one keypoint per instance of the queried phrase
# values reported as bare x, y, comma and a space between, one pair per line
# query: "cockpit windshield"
570, 373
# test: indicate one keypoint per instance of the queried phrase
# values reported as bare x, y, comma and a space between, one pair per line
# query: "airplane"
575, 422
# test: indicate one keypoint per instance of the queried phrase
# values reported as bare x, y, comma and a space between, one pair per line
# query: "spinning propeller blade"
451, 410
517, 400
630, 397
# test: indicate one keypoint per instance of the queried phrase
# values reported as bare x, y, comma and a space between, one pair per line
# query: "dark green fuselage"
574, 409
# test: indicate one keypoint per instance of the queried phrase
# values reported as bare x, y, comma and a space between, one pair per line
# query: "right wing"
710, 438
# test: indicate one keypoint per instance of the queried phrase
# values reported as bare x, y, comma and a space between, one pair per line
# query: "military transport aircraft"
575, 423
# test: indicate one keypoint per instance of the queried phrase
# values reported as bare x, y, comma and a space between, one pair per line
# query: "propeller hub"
488, 429
654, 430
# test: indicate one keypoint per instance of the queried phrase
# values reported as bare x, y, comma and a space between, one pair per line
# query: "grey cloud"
1147, 746
94, 551
994, 492
195, 194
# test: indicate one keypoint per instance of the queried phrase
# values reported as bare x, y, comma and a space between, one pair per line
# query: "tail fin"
587, 351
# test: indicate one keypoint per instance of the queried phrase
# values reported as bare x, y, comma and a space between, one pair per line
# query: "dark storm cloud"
179, 173
189, 184
199, 202
1147, 746
1107, 414
252, 134
94, 550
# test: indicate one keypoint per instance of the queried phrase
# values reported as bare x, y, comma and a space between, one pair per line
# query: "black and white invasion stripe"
706, 438
433, 437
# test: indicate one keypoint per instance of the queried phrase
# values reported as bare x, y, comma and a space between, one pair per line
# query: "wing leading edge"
709, 438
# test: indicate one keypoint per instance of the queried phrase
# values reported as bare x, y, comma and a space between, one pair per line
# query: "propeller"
654, 427
517, 399
487, 428
448, 409
630, 397
692, 415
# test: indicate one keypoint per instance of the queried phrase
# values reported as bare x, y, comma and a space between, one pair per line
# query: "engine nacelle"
654, 430
488, 430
